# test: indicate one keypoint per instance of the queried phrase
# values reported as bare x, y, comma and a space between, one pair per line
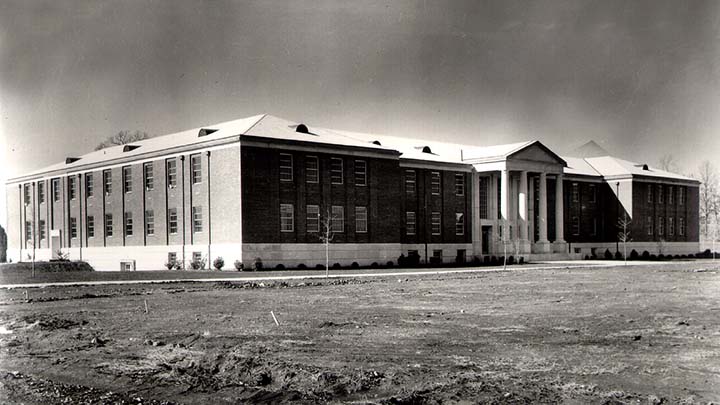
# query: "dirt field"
604, 335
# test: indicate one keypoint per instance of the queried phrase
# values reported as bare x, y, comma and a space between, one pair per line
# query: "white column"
476, 230
504, 194
559, 224
542, 215
531, 209
523, 206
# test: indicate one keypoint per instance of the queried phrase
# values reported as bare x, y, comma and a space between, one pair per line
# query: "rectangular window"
90, 225
575, 192
28, 231
437, 254
73, 228
171, 169
312, 169
660, 198
287, 218
483, 191
286, 167
41, 192
336, 170
410, 181
594, 227
410, 223
149, 176
128, 224
108, 225
72, 182
149, 223
671, 227
649, 225
127, 179
89, 185
435, 225
435, 183
26, 194
576, 225
107, 182
459, 223
172, 221
312, 219
681, 226
661, 226
197, 219
41, 229
338, 219
460, 184
649, 194
681, 195
593, 193
196, 168
360, 173
361, 219
56, 189
671, 195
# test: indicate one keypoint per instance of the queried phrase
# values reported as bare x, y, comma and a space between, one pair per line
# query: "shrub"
646, 255
661, 256
198, 264
677, 257
336, 266
401, 260
62, 256
319, 267
280, 267
511, 260
389, 263
173, 264
301, 266
653, 257
374, 265
522, 260
436, 261
587, 257
476, 261
219, 263
618, 255
413, 259
257, 264
608, 255
239, 266
354, 265
634, 255
486, 260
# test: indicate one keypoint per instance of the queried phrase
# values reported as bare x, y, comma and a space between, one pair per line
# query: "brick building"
263, 187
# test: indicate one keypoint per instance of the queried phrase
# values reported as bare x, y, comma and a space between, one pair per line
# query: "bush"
336, 266
646, 255
587, 257
198, 264
618, 255
436, 261
280, 267
389, 264
302, 266
486, 260
401, 260
653, 257
354, 265
239, 266
257, 264
511, 260
374, 265
413, 259
53, 266
661, 256
608, 255
522, 260
634, 255
219, 263
173, 264
319, 267
476, 261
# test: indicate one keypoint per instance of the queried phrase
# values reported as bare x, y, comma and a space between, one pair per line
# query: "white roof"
609, 166
579, 166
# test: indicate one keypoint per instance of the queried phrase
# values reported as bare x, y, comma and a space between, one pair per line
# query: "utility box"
127, 265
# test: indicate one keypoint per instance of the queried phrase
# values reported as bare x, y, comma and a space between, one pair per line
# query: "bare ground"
603, 335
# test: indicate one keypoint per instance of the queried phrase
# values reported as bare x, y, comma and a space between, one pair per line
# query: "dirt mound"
50, 322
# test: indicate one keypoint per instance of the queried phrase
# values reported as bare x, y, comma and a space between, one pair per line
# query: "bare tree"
326, 236
709, 198
667, 163
123, 137
624, 233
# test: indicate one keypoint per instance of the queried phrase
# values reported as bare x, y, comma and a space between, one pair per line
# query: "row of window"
575, 193
661, 226
435, 183
172, 218
148, 180
659, 194
315, 222
312, 170
435, 223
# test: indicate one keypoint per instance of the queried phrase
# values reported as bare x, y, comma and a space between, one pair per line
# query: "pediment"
537, 152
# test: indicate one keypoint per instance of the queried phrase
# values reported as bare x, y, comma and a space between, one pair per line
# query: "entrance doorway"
486, 236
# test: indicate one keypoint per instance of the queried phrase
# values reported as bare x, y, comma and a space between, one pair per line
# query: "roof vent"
206, 131
426, 149
128, 148
377, 143
69, 160
645, 167
302, 128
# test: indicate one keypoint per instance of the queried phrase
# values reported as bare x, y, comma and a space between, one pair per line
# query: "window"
149, 223
72, 182
660, 198
661, 226
409, 181
593, 232
128, 224
681, 195
435, 183
337, 224
649, 194
287, 218
28, 231
361, 219
435, 225
107, 182
149, 176
575, 192
41, 229
56, 189
360, 173
459, 184
671, 195
89, 185
459, 223
171, 168
26, 194
593, 193
576, 225
197, 219
90, 225
681, 226
108, 225
312, 219
671, 227
437, 255
196, 168
172, 221
312, 168
410, 223
336, 171
73, 228
483, 192
41, 192
649, 225
127, 179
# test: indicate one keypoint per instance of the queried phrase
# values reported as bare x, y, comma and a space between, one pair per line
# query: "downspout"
209, 215
22, 226
182, 190
34, 224
80, 207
